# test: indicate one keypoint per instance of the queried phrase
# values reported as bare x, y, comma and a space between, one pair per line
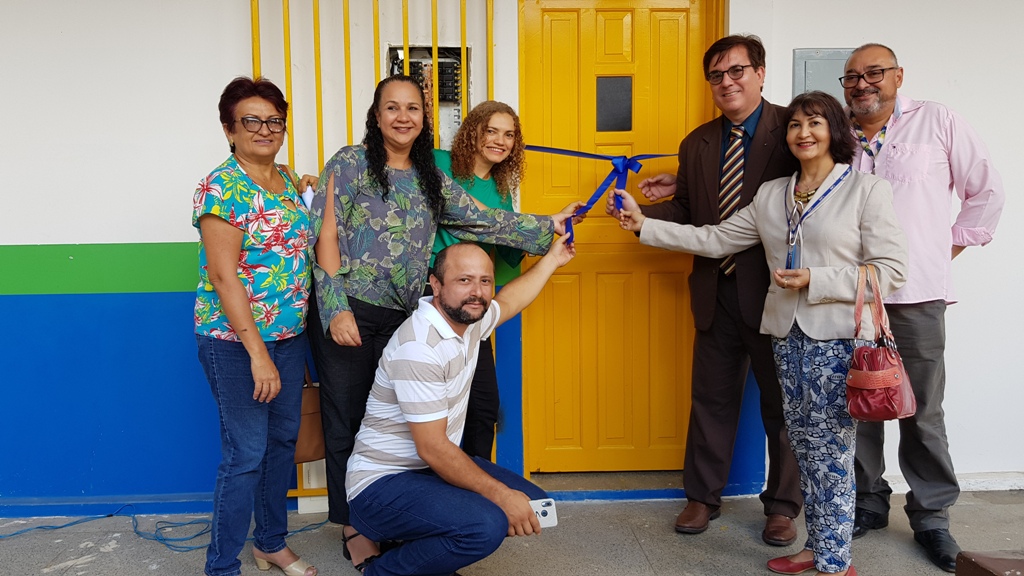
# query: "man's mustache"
858, 93
474, 300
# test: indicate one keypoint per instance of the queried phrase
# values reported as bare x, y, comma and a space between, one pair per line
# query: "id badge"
793, 257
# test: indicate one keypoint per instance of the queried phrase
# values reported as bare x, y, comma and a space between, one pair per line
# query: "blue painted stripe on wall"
747, 471
106, 404
509, 362
104, 397
199, 503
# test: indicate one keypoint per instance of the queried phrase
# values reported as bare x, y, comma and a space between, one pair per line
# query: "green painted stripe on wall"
99, 268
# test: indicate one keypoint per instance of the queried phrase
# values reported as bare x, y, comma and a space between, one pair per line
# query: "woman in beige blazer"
817, 227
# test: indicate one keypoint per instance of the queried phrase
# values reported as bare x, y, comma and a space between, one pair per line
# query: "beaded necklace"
803, 197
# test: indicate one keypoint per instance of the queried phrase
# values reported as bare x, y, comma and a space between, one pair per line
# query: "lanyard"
872, 152
796, 217
868, 149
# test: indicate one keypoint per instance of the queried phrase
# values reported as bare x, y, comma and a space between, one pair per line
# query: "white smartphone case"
545, 511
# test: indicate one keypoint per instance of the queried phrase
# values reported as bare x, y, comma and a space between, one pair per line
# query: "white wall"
112, 104
111, 111
963, 56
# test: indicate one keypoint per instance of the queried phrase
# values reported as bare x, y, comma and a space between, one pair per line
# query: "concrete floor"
592, 538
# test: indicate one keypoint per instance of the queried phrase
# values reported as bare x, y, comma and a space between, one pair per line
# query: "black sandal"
362, 565
344, 544
388, 545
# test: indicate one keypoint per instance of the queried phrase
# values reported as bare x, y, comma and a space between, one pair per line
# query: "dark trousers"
920, 332
484, 403
346, 375
721, 358
482, 410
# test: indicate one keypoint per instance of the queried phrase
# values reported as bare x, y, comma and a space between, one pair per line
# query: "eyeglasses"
253, 124
871, 77
735, 72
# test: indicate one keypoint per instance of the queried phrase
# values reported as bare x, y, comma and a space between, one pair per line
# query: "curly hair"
421, 155
508, 173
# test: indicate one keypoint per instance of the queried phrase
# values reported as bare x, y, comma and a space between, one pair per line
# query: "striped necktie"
730, 184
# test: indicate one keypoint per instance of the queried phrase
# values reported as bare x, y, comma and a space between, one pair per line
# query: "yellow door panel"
614, 36
560, 82
608, 344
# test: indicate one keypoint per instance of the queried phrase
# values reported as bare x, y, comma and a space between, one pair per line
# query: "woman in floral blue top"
375, 213
249, 315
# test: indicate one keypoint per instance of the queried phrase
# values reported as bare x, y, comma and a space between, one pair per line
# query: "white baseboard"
312, 504
972, 482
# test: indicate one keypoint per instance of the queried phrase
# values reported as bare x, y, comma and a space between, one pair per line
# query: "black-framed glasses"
873, 76
735, 72
253, 124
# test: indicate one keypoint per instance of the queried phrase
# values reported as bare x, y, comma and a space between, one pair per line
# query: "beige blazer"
696, 202
853, 225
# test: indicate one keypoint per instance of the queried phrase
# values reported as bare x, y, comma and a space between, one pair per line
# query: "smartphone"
545, 511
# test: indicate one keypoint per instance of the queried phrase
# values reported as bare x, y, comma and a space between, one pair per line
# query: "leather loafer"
865, 520
695, 517
783, 565
941, 547
779, 530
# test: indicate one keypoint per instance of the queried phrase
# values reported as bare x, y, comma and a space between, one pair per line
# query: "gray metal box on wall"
819, 69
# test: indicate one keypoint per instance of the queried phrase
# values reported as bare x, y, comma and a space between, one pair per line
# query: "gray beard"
866, 110
860, 110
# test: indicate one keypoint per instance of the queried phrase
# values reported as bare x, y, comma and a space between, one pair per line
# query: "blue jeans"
444, 527
257, 448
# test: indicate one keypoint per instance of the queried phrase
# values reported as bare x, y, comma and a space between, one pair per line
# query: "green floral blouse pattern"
273, 264
385, 245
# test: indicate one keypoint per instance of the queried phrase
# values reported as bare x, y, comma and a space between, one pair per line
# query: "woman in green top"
487, 159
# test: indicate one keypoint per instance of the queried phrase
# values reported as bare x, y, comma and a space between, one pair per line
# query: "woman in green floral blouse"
382, 203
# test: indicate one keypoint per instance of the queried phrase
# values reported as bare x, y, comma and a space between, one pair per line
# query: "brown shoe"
779, 530
695, 517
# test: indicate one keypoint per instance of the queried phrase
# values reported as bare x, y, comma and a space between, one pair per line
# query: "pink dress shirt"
928, 153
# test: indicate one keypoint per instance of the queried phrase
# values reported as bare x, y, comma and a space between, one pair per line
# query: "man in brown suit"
727, 297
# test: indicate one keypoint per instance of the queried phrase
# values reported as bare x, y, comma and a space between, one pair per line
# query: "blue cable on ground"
157, 535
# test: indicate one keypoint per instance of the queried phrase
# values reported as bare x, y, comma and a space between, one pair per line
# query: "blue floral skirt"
823, 437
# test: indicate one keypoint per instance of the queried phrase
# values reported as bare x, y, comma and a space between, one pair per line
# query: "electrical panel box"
819, 69
449, 84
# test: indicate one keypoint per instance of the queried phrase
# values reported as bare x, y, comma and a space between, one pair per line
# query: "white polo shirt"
424, 375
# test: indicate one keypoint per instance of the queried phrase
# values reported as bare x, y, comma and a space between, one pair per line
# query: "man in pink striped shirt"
928, 153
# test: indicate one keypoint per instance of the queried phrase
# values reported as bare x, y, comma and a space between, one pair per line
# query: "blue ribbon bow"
621, 167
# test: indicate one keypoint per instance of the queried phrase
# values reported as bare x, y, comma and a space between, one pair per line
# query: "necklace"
271, 186
803, 195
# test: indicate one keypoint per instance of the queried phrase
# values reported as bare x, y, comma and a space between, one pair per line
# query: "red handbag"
877, 386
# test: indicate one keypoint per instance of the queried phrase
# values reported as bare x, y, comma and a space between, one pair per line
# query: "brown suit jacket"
696, 202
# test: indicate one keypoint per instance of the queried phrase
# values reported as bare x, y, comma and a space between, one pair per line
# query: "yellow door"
607, 347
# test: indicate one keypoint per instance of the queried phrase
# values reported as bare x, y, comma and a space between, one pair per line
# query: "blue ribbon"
621, 167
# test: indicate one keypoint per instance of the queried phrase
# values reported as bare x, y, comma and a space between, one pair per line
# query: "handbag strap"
881, 317
858, 309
